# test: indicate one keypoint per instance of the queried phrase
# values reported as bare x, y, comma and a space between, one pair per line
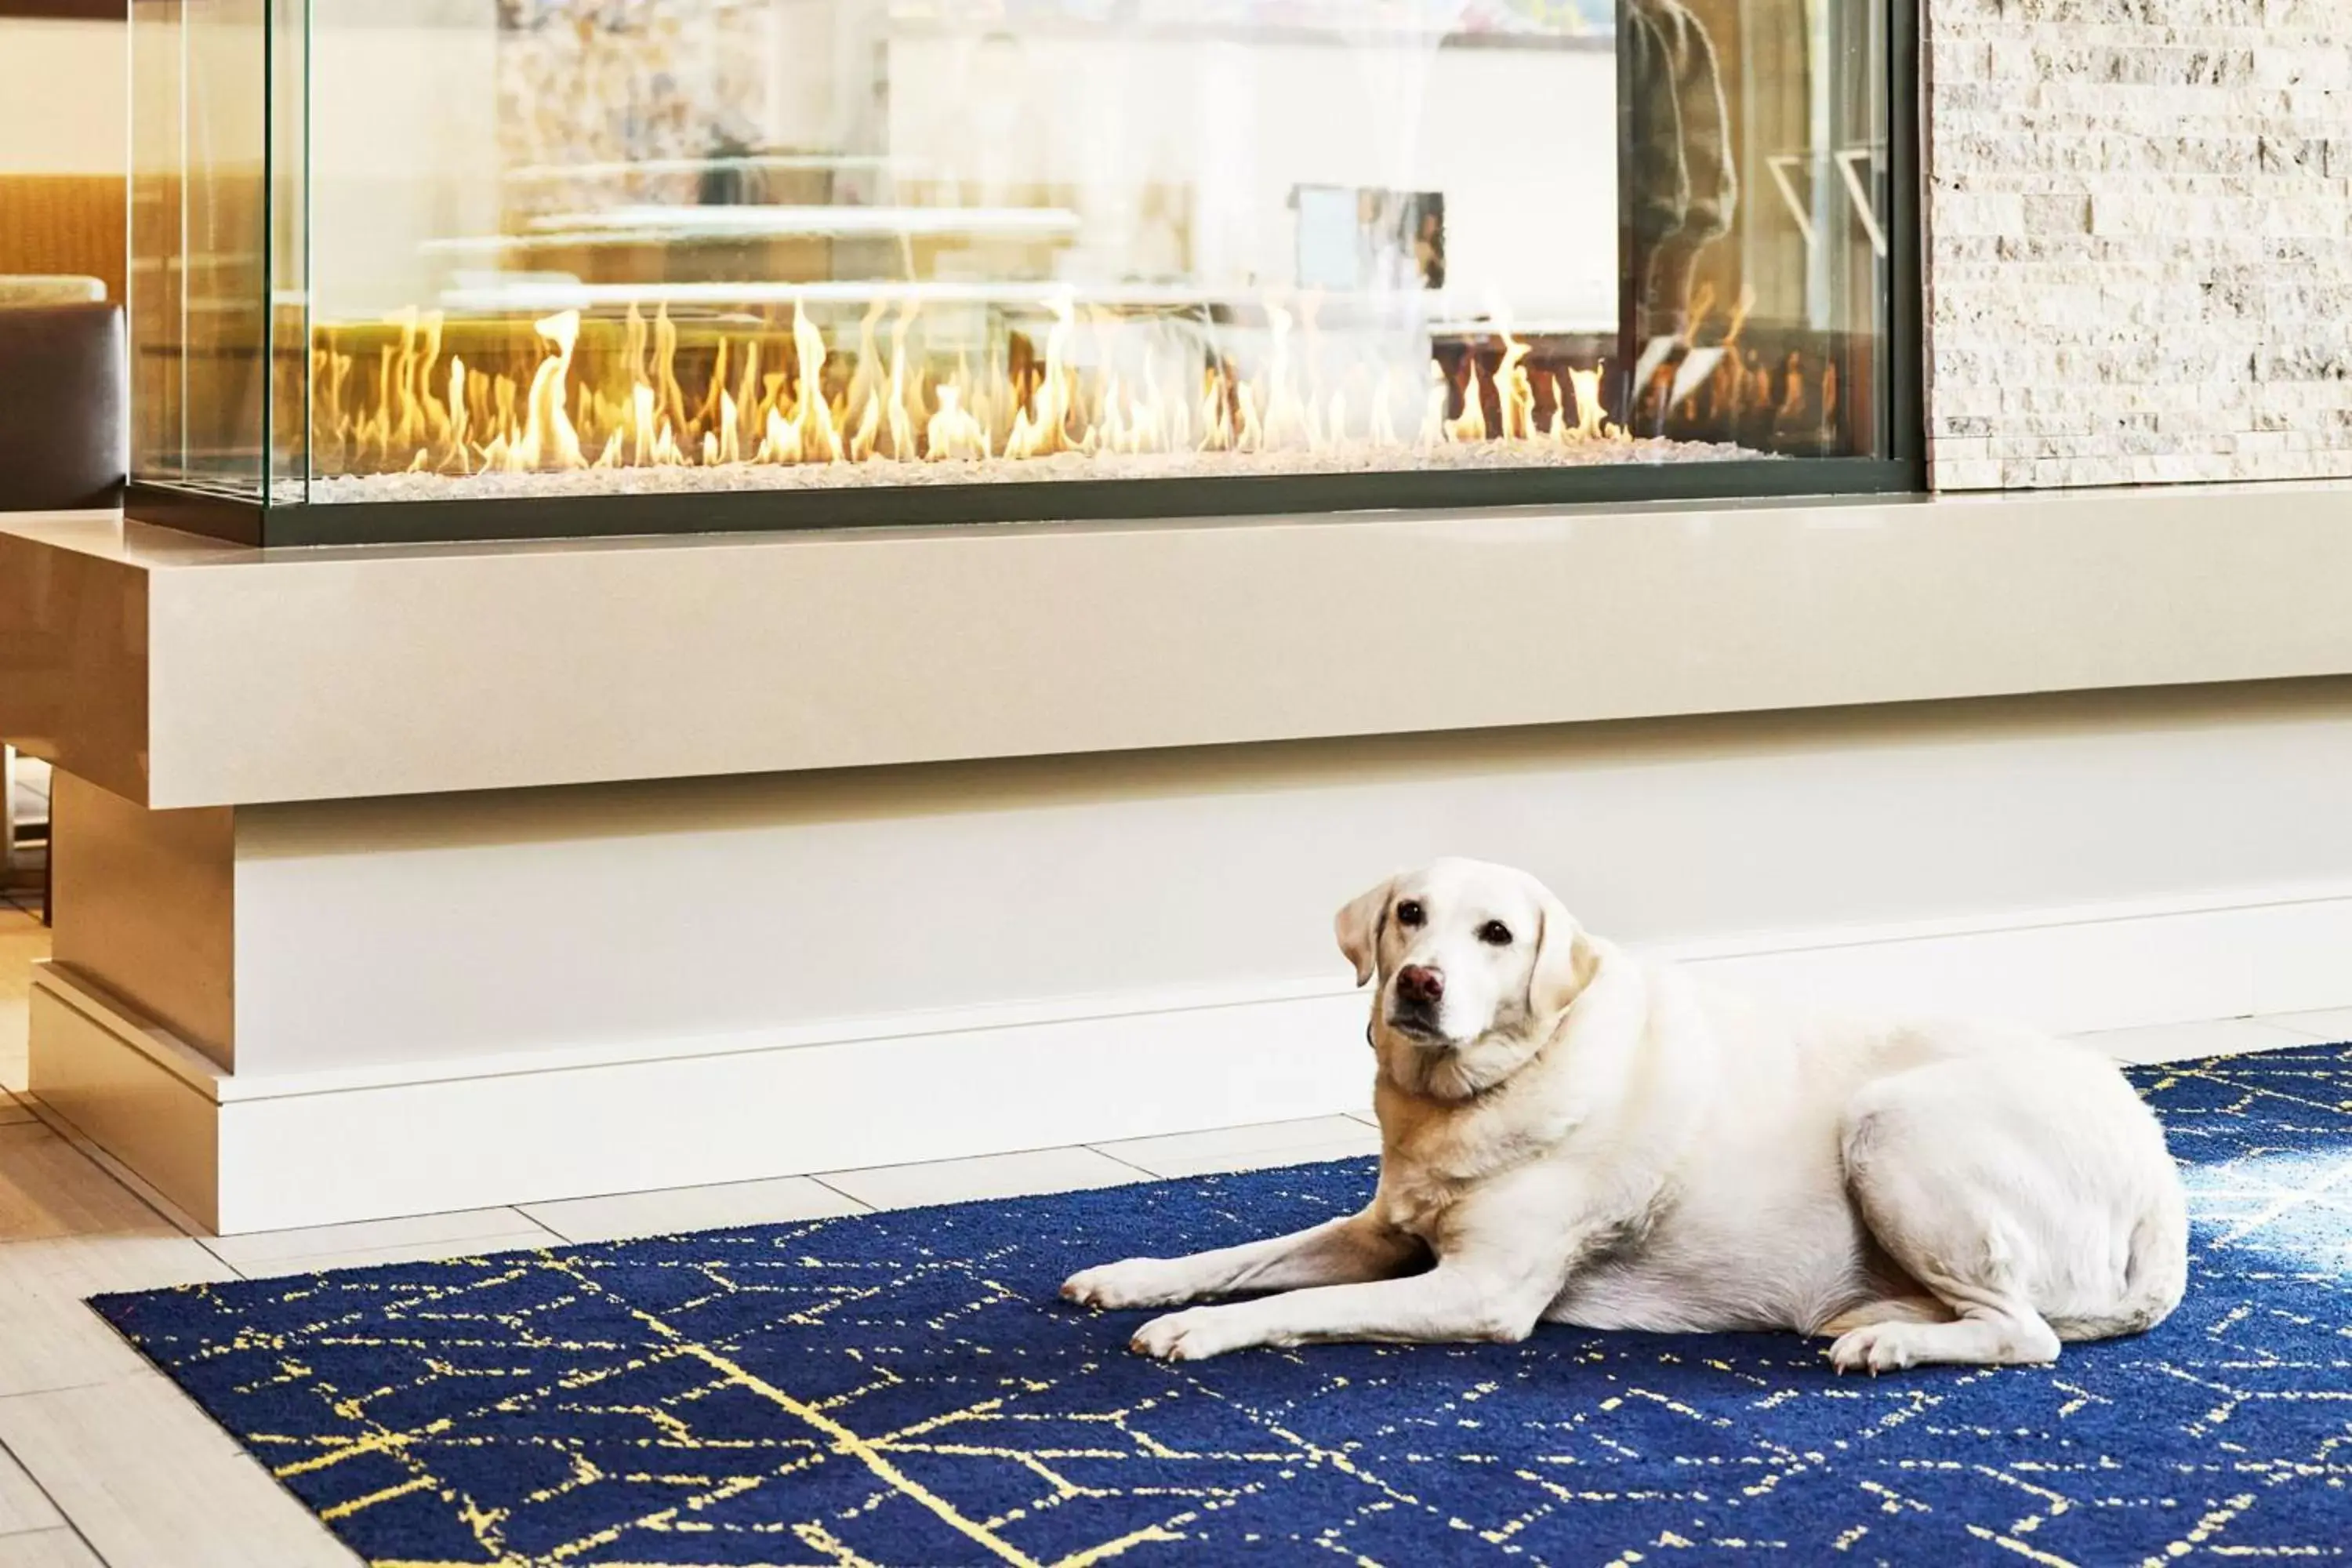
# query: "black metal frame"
253, 522
1907, 315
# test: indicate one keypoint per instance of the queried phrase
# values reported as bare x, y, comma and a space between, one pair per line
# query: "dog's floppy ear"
1564, 959
1358, 926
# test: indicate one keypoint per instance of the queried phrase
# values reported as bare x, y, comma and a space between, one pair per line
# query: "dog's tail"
2156, 1275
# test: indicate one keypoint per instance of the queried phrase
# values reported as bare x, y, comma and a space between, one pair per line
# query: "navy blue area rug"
906, 1391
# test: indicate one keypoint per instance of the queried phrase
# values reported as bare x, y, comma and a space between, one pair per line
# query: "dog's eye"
1494, 934
1411, 914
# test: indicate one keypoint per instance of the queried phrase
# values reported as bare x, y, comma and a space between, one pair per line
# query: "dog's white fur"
1575, 1134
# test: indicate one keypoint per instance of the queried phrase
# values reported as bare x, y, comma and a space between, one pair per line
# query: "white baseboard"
245, 1153
326, 1149
2070, 970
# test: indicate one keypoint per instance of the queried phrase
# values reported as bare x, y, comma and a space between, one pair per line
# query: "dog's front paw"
1138, 1283
1875, 1348
1195, 1335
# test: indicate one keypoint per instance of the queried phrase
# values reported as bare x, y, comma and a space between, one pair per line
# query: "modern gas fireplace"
449, 269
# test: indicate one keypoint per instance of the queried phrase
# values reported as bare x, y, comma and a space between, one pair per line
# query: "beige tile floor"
102, 1462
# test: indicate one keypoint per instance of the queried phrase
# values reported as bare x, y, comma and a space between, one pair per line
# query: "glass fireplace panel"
787, 252
199, 284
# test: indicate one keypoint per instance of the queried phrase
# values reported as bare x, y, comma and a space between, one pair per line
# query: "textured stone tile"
2138, 207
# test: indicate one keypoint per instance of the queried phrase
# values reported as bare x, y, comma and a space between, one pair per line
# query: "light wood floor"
101, 1461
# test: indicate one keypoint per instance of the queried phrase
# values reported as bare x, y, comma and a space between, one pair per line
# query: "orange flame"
622, 404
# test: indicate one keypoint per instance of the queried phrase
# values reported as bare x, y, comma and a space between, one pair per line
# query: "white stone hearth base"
352, 1009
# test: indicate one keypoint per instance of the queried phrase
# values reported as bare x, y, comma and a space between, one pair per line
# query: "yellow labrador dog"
1568, 1132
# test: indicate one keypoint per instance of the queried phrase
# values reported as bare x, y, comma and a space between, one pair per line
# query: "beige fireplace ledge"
178, 672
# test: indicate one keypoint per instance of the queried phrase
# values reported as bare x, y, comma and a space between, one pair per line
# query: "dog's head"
1476, 964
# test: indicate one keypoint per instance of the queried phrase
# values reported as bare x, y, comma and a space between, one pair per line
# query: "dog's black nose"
1419, 983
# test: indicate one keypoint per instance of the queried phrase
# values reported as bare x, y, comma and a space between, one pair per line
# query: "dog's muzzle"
1417, 1023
